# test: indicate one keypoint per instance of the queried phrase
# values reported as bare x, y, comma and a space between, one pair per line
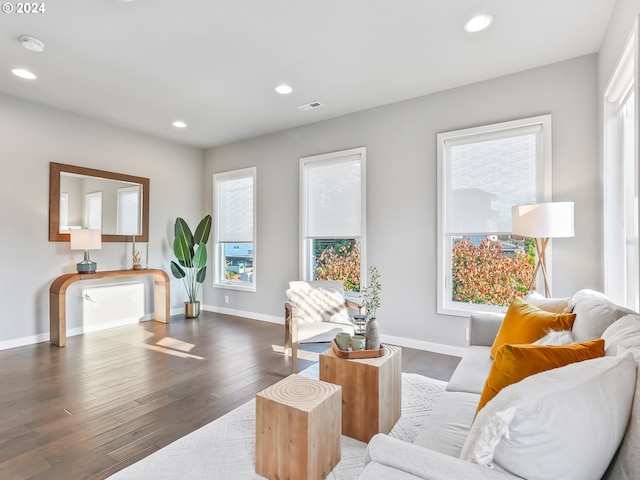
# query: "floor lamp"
543, 221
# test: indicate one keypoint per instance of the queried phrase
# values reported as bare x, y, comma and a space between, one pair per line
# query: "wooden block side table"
371, 391
298, 426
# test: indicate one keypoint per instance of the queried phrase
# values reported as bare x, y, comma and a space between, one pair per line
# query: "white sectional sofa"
577, 405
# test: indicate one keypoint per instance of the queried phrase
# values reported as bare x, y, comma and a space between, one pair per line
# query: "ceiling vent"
310, 106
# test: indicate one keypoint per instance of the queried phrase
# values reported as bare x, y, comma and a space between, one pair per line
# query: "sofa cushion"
594, 313
421, 462
564, 423
515, 362
472, 371
623, 333
553, 305
319, 305
447, 426
526, 323
377, 471
314, 332
626, 463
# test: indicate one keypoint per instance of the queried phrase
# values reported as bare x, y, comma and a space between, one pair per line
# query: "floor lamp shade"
542, 221
86, 239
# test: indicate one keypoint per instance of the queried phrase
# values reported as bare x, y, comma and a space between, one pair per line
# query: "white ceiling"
215, 63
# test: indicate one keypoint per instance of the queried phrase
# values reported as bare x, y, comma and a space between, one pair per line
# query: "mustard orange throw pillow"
526, 323
516, 362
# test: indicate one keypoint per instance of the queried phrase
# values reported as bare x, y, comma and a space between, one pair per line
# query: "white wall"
624, 14
34, 135
401, 191
401, 171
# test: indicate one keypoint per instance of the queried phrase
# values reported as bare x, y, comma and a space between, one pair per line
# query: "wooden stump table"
371, 391
298, 424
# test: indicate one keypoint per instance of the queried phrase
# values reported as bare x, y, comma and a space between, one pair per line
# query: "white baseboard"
21, 342
422, 345
401, 341
241, 313
45, 337
105, 325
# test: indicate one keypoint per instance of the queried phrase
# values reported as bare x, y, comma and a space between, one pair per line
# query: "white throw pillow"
556, 337
565, 423
319, 305
594, 313
553, 305
622, 333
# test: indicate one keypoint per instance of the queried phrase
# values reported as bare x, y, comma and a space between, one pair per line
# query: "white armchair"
315, 312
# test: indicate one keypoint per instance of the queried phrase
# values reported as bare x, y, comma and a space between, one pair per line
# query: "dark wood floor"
110, 398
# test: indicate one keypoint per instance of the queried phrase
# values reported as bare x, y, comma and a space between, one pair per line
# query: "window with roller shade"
482, 173
332, 217
128, 210
235, 232
621, 171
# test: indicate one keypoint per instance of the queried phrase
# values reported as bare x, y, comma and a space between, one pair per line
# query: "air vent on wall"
311, 106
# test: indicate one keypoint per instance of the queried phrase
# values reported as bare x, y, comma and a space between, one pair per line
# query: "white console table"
58, 291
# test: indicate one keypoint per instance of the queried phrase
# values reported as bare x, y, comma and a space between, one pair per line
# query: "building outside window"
235, 229
332, 217
482, 173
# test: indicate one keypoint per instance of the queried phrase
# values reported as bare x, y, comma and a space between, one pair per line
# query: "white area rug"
225, 448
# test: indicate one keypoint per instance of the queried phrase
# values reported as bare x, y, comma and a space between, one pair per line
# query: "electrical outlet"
226, 299
466, 334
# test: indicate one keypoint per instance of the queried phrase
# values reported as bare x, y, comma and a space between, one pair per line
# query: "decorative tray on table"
356, 353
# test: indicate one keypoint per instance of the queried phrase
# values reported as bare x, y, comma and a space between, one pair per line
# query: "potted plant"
136, 257
371, 302
191, 252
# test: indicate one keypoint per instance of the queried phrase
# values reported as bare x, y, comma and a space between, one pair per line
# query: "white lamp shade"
86, 239
543, 220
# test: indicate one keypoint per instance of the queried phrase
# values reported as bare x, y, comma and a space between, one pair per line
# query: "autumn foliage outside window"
338, 260
492, 270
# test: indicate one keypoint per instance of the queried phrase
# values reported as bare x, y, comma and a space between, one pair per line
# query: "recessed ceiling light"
284, 89
32, 44
22, 73
478, 23
179, 124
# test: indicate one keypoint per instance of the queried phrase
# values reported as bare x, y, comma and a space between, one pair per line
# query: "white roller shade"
487, 177
235, 209
334, 198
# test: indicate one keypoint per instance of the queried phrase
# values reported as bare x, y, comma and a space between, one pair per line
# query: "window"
93, 210
64, 211
622, 263
128, 209
332, 217
235, 229
483, 172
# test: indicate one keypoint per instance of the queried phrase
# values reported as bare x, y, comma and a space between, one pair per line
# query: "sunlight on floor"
175, 344
302, 354
175, 353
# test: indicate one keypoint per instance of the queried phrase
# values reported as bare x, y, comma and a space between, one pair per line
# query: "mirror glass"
115, 203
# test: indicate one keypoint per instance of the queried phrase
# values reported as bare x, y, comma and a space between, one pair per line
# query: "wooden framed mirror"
116, 203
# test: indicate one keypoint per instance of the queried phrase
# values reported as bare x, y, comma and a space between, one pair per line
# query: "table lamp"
86, 239
543, 221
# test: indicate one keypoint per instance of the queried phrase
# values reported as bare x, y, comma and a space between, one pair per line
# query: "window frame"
499, 130
122, 214
619, 236
219, 279
306, 242
93, 199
